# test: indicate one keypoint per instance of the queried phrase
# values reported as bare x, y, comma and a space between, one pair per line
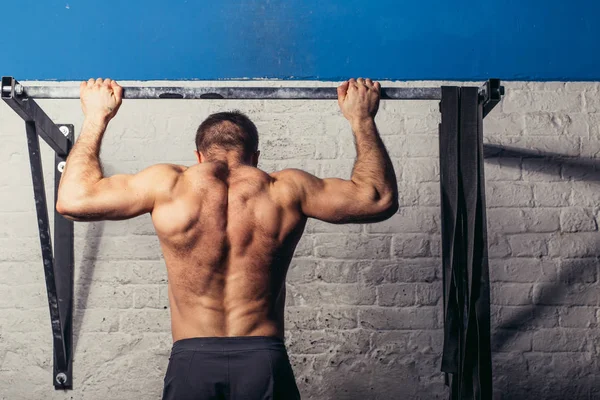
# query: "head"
229, 137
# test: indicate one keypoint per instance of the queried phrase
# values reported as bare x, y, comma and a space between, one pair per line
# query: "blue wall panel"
301, 39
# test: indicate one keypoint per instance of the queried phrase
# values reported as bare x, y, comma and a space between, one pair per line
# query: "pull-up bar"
228, 93
58, 264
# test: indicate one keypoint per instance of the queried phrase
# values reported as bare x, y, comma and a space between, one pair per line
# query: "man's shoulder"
288, 175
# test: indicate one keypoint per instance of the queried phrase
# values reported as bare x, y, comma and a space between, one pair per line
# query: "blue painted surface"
301, 39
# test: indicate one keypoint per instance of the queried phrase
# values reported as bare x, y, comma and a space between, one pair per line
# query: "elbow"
387, 207
381, 206
69, 209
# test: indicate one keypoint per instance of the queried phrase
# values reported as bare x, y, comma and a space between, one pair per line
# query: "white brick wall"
364, 317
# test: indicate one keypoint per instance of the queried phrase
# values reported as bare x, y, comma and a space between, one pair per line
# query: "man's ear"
199, 156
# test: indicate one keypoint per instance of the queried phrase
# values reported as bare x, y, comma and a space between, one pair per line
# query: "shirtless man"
228, 232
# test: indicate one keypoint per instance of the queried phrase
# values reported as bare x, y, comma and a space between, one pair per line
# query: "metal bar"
231, 93
41, 207
64, 265
30, 111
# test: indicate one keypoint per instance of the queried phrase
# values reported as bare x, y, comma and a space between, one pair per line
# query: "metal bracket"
491, 93
30, 111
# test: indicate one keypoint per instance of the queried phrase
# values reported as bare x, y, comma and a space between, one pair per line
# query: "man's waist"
229, 343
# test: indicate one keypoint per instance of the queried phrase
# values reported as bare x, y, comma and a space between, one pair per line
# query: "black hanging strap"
466, 354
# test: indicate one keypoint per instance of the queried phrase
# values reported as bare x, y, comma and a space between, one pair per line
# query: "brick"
337, 271
540, 170
408, 246
421, 146
316, 226
305, 247
326, 147
502, 194
574, 295
511, 220
560, 340
396, 295
511, 294
578, 317
23, 296
498, 246
21, 273
503, 125
427, 124
585, 194
315, 318
551, 194
398, 342
146, 320
575, 270
572, 245
523, 270
409, 220
352, 246
499, 169
328, 341
96, 320
145, 296
429, 294
301, 271
577, 220
525, 102
103, 296
529, 244
505, 340
331, 294
415, 270
398, 318
421, 170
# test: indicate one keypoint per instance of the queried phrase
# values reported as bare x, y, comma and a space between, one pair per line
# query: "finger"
377, 86
360, 81
352, 84
107, 82
99, 81
83, 85
341, 91
91, 82
369, 83
117, 89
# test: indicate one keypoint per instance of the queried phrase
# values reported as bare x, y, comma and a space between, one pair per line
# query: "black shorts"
230, 368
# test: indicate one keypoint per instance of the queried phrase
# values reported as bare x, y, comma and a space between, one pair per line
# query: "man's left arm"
84, 194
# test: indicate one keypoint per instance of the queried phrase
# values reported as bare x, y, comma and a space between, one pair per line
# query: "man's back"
228, 232
228, 236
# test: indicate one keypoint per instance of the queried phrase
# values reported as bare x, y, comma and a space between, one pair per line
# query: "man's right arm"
371, 194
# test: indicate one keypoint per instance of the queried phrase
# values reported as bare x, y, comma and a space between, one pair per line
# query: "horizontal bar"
228, 93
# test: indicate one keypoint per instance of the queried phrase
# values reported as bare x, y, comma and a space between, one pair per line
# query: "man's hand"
359, 99
100, 99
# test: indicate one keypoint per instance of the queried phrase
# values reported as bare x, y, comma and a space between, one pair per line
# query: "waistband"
230, 343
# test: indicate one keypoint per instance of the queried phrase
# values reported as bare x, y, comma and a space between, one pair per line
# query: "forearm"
373, 169
83, 168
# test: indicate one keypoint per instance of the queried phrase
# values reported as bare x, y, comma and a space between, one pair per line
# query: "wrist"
97, 121
365, 122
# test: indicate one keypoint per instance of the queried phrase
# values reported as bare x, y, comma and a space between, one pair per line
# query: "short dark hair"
231, 130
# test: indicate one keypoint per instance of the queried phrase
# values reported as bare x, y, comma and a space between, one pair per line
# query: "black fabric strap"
467, 351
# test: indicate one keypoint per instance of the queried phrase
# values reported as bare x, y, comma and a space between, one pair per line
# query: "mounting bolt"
64, 129
61, 166
61, 378
19, 89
